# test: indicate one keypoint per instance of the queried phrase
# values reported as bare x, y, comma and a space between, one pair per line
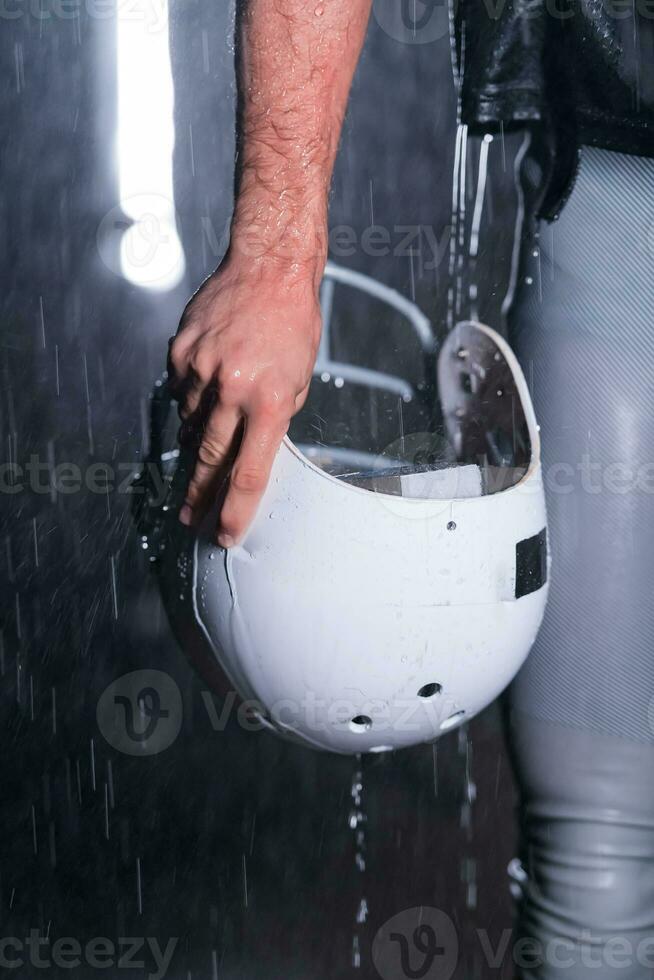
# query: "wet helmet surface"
380, 598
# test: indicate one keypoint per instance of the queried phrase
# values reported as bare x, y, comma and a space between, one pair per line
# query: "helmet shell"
360, 621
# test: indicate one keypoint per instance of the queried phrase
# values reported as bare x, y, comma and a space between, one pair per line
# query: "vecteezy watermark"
152, 13
428, 244
417, 944
422, 944
413, 21
419, 466
141, 712
138, 237
43, 476
426, 21
99, 953
141, 235
418, 450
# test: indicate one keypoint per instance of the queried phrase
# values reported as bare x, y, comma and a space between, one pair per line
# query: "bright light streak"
151, 254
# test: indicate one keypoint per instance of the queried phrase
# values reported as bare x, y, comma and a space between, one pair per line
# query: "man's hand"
242, 361
241, 367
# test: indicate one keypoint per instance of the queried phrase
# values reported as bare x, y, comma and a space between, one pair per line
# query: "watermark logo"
138, 240
141, 712
413, 21
416, 477
153, 14
142, 956
417, 944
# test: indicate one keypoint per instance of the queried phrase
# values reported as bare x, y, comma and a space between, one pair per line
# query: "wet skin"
242, 359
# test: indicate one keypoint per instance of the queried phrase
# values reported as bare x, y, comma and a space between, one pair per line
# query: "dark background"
236, 843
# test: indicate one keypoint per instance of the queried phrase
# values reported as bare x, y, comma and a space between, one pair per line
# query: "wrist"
271, 266
280, 231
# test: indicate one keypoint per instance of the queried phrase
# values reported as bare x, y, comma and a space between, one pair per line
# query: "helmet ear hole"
467, 384
360, 723
429, 690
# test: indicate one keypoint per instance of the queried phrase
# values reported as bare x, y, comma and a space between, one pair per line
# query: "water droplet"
356, 953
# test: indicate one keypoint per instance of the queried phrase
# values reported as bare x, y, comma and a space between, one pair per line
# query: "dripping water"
457, 233
468, 863
357, 819
473, 249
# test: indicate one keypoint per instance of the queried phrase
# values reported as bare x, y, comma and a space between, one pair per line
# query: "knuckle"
211, 451
273, 402
248, 480
186, 400
203, 366
177, 359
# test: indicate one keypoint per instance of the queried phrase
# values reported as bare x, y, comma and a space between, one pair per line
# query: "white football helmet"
380, 598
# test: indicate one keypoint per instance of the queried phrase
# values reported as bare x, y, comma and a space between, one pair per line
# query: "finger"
214, 453
191, 431
179, 362
197, 400
192, 398
249, 476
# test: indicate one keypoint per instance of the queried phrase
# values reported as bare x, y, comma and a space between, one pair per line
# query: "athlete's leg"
581, 710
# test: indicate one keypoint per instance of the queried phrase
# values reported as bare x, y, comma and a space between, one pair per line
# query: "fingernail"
186, 515
226, 541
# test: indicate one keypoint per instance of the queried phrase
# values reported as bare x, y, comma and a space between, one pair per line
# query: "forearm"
296, 62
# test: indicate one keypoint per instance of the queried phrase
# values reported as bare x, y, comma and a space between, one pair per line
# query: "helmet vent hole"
361, 723
429, 690
452, 721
